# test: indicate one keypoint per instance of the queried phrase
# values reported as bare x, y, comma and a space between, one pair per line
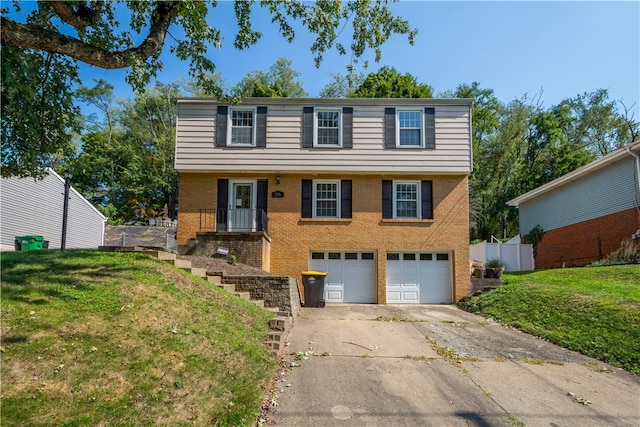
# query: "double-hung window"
326, 199
409, 128
242, 126
406, 199
328, 129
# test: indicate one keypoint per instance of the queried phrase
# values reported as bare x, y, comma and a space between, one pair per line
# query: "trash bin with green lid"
313, 282
28, 243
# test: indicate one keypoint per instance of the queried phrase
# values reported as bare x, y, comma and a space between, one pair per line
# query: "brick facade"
293, 237
580, 244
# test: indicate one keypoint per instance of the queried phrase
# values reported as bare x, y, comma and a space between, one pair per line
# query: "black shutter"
261, 127
261, 203
223, 205
307, 127
390, 127
430, 127
221, 126
307, 198
387, 199
347, 127
426, 189
345, 198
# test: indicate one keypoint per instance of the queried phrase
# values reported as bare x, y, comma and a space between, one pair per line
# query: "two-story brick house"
373, 191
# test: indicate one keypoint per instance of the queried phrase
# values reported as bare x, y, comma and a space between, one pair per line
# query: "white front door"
242, 210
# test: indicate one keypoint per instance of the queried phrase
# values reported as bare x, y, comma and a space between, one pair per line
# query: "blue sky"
556, 49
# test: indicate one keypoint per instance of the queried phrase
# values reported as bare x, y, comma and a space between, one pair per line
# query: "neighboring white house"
30, 207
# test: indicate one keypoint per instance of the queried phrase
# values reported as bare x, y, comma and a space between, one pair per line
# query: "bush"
627, 253
494, 263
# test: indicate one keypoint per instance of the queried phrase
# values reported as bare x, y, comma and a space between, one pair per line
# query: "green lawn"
94, 338
593, 310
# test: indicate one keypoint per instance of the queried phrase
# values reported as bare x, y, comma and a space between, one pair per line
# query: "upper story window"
406, 199
242, 128
326, 200
409, 128
328, 129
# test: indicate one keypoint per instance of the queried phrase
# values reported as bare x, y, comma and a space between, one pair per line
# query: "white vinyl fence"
514, 256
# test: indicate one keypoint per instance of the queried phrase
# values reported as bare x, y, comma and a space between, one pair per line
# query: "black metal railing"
234, 220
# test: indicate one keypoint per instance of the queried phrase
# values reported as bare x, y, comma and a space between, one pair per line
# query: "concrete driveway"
437, 365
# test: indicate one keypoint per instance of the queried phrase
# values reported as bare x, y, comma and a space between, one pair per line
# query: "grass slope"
593, 310
94, 338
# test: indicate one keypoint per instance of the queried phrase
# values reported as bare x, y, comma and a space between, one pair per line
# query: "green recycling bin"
313, 282
29, 243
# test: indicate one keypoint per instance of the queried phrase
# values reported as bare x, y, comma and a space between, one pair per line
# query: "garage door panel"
349, 280
419, 278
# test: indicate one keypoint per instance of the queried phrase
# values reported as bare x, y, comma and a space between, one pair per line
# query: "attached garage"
351, 278
419, 278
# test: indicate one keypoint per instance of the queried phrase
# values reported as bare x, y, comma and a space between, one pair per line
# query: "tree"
598, 125
69, 32
125, 163
389, 83
281, 81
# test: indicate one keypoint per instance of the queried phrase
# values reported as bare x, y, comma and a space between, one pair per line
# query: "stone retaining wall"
275, 291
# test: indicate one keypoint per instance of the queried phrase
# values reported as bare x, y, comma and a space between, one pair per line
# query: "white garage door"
418, 278
351, 278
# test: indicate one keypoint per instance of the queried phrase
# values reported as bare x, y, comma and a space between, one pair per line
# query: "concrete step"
243, 295
162, 255
214, 279
182, 263
199, 271
228, 288
258, 302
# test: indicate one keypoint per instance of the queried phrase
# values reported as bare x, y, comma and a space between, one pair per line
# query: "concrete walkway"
440, 366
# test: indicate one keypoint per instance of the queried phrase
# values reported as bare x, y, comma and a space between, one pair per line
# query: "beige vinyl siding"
195, 150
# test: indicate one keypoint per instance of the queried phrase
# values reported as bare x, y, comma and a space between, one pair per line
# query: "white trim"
314, 198
315, 126
418, 199
230, 126
420, 112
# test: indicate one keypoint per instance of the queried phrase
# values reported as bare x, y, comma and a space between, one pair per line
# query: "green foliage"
39, 118
112, 336
593, 310
534, 237
494, 263
627, 253
40, 56
389, 83
280, 81
125, 163
342, 86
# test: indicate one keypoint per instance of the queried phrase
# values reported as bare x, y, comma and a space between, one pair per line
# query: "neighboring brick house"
373, 191
586, 213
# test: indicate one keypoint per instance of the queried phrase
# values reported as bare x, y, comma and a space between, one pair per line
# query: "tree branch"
83, 17
34, 37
